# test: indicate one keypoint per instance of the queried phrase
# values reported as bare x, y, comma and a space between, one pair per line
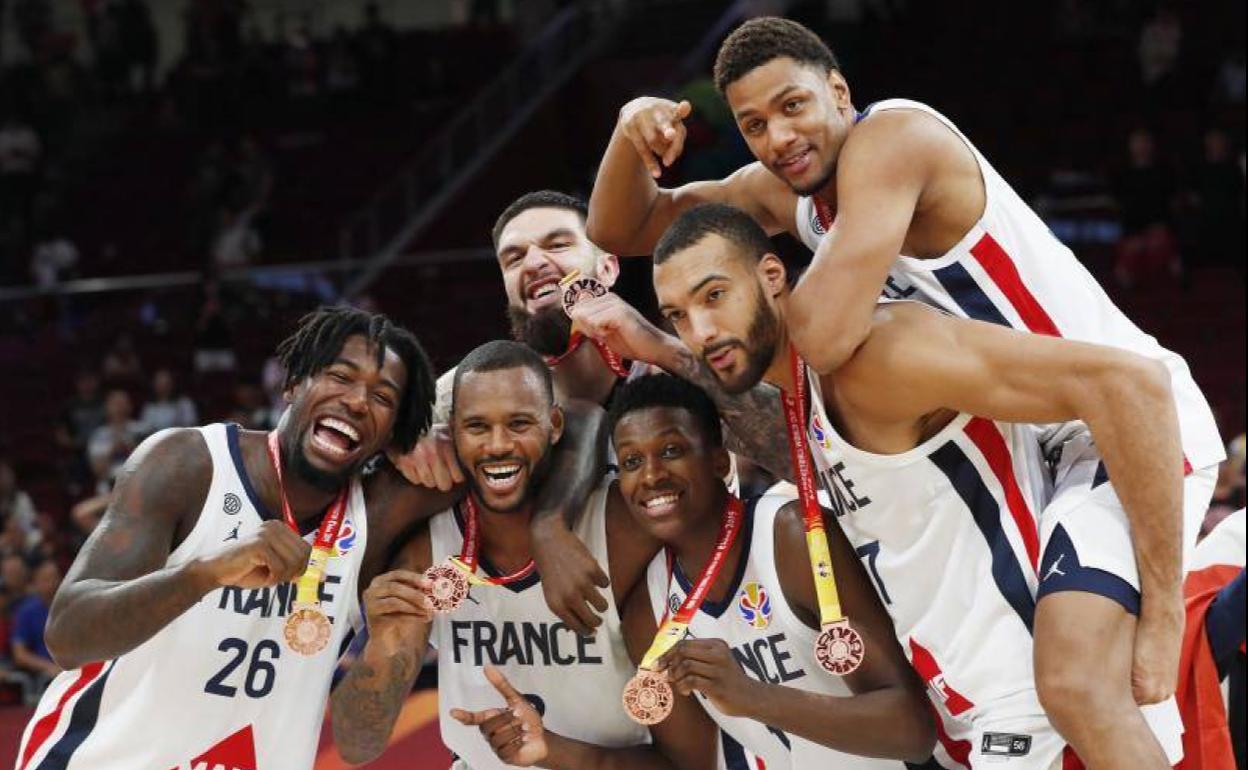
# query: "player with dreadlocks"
179, 619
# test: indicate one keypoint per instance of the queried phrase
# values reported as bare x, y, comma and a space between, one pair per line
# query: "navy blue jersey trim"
236, 454
716, 609
1061, 570
966, 293
1006, 572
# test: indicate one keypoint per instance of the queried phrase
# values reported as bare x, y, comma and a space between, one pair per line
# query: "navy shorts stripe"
734, 753
1061, 570
81, 723
967, 294
970, 486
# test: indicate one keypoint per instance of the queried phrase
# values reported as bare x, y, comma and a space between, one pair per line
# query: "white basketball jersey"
217, 688
575, 682
947, 533
767, 639
1010, 269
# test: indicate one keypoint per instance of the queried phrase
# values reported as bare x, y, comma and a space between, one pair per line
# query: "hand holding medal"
578, 288
648, 697
839, 648
453, 578
308, 628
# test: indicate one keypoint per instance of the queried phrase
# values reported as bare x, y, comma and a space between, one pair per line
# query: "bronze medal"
648, 698
307, 630
450, 587
839, 648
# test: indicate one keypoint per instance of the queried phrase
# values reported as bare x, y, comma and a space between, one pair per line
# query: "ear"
722, 461
556, 424
839, 88
608, 269
773, 275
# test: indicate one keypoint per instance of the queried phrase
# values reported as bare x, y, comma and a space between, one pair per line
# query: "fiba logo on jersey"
754, 606
816, 224
232, 504
673, 603
818, 433
346, 539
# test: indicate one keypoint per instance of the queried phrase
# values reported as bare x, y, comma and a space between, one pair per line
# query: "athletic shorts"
1004, 743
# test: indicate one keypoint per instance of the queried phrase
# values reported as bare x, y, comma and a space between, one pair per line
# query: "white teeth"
341, 427
501, 471
660, 501
328, 447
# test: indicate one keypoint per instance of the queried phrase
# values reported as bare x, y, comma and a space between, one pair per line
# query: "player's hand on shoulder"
269, 555
707, 666
431, 463
572, 580
396, 603
515, 732
656, 128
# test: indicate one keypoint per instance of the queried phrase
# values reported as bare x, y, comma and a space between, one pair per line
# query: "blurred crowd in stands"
1164, 196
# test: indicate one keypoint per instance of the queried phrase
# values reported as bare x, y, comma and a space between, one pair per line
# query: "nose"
499, 443
703, 328
653, 471
780, 135
355, 398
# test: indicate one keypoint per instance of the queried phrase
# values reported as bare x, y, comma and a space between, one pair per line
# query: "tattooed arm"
755, 418
118, 593
366, 703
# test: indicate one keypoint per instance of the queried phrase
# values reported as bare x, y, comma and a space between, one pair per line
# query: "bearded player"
504, 424
940, 499
171, 622
861, 188
539, 241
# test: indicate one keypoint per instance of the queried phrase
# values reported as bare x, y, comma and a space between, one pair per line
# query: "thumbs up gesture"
515, 732
657, 130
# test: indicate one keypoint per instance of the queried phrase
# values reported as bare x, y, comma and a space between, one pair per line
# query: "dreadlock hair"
728, 222
498, 355
664, 390
319, 338
760, 40
541, 199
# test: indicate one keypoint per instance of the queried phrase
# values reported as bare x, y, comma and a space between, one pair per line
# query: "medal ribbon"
307, 591
673, 627
812, 516
467, 560
612, 359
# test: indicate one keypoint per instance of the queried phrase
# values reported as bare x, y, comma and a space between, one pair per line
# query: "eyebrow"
663, 306
353, 366
558, 232
772, 100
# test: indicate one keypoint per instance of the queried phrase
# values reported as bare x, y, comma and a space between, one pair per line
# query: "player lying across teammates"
993, 576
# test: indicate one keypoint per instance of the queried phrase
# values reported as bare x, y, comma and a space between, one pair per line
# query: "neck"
584, 375
307, 502
693, 549
779, 372
505, 536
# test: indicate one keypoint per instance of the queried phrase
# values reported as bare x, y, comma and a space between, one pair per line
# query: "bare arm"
882, 170
1125, 399
117, 594
366, 703
628, 211
888, 714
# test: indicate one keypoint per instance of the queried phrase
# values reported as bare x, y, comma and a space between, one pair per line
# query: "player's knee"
1072, 693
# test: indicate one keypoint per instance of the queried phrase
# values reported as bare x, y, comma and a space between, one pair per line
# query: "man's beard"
759, 345
326, 481
547, 331
808, 190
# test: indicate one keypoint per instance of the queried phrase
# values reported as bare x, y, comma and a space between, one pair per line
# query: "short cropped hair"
499, 355
760, 40
541, 199
730, 223
319, 338
664, 390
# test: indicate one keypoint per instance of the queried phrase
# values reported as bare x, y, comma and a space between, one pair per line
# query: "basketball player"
941, 501
761, 615
540, 239
900, 179
171, 620
504, 423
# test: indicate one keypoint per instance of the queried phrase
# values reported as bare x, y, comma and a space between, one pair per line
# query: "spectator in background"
377, 44
140, 43
113, 441
1219, 193
236, 242
20, 154
1161, 40
30, 617
17, 507
1145, 190
121, 365
167, 409
14, 582
214, 343
1228, 494
1232, 79
52, 255
82, 415
87, 512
